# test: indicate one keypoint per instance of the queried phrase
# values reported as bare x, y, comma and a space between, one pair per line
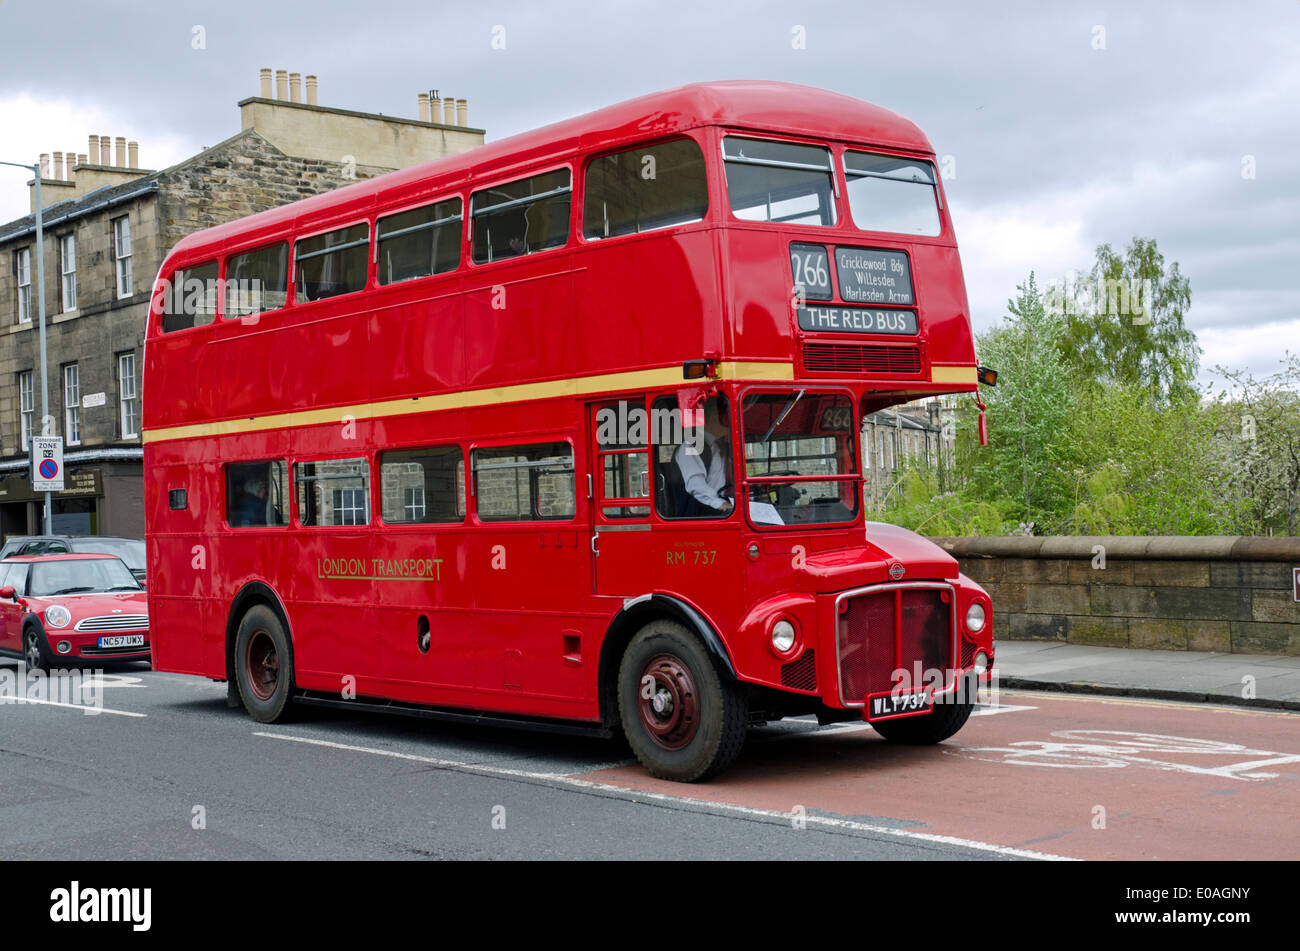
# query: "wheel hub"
262, 665
670, 707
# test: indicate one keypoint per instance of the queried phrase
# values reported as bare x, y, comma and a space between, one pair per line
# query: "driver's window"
694, 468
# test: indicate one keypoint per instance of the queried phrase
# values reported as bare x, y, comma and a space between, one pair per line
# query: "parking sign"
47, 463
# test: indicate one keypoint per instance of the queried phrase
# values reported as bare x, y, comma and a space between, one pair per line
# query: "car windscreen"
80, 576
130, 550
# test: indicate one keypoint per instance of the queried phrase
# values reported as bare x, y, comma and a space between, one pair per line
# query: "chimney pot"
133, 153
105, 151
462, 112
94, 149
45, 166
295, 87
120, 142
311, 90
423, 100
58, 166
449, 111
265, 77
281, 84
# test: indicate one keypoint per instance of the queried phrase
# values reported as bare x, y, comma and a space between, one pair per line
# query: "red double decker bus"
566, 430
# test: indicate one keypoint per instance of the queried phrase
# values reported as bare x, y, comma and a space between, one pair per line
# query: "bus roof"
746, 104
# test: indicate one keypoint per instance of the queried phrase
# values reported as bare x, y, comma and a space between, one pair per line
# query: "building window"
127, 395
72, 403
68, 270
350, 506
122, 253
23, 267
26, 406
413, 503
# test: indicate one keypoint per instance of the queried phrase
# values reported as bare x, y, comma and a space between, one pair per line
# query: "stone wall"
1222, 593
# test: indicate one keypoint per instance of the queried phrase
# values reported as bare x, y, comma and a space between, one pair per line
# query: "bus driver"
705, 465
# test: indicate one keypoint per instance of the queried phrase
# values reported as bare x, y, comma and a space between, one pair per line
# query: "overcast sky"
1068, 124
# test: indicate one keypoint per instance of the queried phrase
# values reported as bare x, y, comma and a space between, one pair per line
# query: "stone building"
108, 224
922, 431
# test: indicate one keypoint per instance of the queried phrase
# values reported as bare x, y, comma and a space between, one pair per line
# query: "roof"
745, 104
106, 196
67, 556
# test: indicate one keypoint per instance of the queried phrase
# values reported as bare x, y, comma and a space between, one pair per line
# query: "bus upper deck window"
653, 186
257, 281
521, 217
419, 242
331, 264
890, 193
191, 299
779, 181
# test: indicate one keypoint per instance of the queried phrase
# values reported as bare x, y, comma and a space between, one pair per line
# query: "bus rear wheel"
682, 718
263, 665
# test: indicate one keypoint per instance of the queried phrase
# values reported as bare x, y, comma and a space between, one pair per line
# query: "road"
168, 771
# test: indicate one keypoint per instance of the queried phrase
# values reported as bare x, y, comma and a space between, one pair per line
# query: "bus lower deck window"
257, 494
524, 483
333, 492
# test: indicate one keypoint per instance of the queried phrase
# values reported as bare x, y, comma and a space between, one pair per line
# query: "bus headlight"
782, 636
975, 618
57, 616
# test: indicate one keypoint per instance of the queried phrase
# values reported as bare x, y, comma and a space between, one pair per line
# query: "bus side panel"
417, 347
518, 323
652, 299
180, 578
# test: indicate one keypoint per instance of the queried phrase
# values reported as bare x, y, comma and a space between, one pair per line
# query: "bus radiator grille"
862, 358
872, 645
801, 674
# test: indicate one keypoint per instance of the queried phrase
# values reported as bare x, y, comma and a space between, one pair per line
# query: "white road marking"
988, 710
90, 711
562, 779
1116, 749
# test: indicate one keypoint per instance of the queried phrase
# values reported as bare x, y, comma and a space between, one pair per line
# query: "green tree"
1262, 428
1027, 413
1125, 322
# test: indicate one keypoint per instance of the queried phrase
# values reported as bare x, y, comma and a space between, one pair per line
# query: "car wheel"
264, 665
683, 719
33, 653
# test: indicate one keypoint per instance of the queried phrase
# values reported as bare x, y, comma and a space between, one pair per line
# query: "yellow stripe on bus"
466, 399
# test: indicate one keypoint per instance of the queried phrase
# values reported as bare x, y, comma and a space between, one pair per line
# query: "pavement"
1255, 680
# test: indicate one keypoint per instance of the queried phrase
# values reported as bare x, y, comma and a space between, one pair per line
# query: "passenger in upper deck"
705, 464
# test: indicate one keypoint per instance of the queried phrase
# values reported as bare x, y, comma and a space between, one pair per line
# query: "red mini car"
71, 610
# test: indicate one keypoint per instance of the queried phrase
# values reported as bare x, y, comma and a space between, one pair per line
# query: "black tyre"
933, 727
34, 654
264, 665
684, 719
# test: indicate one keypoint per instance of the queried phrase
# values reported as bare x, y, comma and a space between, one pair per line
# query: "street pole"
46, 422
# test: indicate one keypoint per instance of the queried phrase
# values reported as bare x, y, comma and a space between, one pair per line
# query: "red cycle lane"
1083, 777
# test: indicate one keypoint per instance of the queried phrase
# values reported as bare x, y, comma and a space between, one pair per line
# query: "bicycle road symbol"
1115, 749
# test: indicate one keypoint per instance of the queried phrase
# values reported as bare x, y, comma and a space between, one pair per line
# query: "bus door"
620, 493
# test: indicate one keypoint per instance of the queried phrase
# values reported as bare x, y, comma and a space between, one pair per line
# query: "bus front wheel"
928, 728
682, 718
263, 665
